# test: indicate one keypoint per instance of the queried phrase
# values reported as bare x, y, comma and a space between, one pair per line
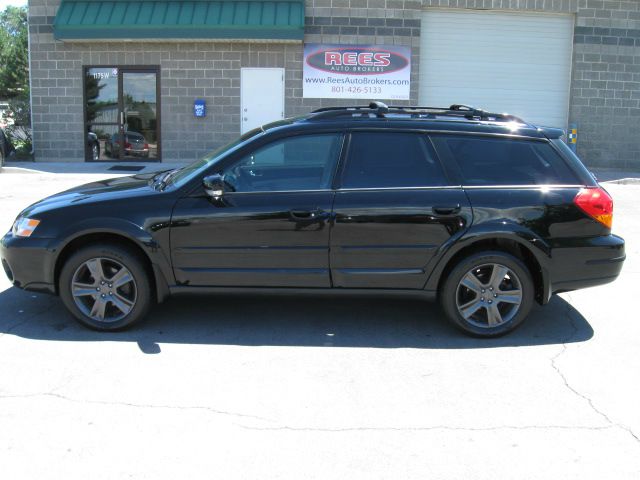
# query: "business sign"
372, 72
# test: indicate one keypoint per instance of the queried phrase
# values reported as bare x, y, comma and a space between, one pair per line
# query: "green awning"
188, 20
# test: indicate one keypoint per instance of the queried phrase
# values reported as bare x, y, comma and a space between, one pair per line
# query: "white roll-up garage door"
499, 61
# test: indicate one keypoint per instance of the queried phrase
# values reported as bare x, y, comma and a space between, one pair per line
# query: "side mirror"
215, 186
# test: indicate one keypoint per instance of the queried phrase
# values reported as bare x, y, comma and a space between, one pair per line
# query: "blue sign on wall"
199, 108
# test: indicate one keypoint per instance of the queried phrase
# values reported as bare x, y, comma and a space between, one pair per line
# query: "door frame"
281, 70
125, 68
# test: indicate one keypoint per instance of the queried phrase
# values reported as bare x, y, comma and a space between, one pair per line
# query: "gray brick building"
587, 53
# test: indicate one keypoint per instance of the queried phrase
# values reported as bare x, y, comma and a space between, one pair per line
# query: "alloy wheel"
104, 290
489, 295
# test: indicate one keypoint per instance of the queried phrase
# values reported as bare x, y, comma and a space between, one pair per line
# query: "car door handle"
308, 215
446, 209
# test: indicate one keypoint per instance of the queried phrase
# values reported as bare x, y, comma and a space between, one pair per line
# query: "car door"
394, 208
271, 228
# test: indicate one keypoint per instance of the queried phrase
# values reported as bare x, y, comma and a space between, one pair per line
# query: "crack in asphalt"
135, 405
315, 429
433, 427
589, 401
610, 423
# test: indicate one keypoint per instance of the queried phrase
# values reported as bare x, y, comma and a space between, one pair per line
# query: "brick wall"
605, 93
209, 70
605, 89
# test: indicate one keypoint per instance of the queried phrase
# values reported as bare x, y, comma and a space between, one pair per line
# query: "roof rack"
380, 110
376, 108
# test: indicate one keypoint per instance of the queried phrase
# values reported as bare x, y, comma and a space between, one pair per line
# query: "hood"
109, 189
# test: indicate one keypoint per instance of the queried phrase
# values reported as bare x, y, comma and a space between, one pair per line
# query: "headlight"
24, 227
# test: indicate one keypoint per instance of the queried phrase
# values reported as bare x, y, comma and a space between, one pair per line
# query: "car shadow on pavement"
302, 321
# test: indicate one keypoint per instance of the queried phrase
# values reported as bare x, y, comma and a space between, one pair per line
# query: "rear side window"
391, 159
500, 161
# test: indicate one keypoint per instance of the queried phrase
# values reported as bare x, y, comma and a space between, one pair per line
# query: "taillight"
146, 146
127, 145
596, 203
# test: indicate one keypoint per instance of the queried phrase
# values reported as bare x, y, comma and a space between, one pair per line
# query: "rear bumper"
582, 263
141, 153
28, 263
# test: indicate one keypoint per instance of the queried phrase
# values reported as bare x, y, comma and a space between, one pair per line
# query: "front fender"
122, 228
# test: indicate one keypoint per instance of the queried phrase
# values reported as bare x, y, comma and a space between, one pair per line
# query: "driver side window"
304, 162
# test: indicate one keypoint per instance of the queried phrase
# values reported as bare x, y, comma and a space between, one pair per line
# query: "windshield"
183, 175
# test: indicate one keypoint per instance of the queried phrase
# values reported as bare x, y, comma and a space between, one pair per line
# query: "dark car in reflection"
93, 146
134, 145
6, 147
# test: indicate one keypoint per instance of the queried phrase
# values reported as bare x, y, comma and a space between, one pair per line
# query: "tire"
1, 158
95, 152
472, 292
123, 287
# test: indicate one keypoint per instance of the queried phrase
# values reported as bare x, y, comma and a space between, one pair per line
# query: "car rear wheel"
1, 158
95, 152
488, 294
106, 287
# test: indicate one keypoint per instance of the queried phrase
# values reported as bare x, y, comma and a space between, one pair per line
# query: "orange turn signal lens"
24, 227
596, 203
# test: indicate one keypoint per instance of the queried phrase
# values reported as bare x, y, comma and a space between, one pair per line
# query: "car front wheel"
106, 287
488, 294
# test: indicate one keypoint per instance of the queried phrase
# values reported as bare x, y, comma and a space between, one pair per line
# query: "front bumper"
28, 263
582, 263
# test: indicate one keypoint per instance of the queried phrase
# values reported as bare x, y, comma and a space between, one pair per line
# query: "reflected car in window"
134, 144
6, 147
93, 146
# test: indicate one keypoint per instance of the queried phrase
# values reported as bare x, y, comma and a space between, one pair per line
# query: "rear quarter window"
485, 161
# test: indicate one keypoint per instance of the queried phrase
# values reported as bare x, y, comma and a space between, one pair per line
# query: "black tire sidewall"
127, 258
450, 286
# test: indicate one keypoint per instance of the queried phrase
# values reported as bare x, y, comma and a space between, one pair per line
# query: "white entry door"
500, 61
261, 96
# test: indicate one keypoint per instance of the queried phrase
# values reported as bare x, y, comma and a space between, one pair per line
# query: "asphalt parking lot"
302, 388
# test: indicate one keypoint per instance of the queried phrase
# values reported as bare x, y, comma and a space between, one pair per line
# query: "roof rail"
380, 109
377, 108
472, 112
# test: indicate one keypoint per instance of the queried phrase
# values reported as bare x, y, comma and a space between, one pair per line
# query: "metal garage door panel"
513, 62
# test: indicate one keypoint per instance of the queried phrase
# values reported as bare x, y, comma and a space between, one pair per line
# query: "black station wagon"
482, 211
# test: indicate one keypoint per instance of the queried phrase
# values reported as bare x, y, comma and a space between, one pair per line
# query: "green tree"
14, 75
14, 53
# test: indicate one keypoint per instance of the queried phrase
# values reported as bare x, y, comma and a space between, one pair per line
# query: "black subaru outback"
482, 211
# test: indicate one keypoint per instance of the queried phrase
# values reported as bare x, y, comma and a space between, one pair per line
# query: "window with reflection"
305, 162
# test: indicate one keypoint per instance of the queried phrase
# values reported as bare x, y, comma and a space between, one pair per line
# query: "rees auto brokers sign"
373, 72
